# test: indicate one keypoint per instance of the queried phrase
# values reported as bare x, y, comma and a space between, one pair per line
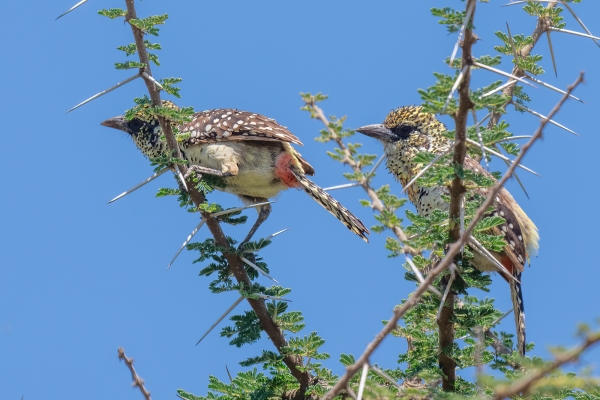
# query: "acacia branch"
524, 385
542, 26
235, 263
453, 250
376, 203
457, 191
137, 381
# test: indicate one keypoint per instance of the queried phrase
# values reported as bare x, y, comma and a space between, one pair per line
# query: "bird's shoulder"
234, 125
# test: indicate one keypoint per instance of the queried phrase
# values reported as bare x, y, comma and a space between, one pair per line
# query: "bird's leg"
199, 170
263, 214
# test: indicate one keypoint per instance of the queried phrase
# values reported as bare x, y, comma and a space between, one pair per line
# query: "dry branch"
524, 385
137, 381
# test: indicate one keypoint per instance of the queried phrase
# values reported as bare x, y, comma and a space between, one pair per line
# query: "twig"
453, 250
376, 203
523, 386
137, 381
541, 27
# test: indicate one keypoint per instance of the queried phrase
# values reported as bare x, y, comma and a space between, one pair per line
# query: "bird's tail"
516, 295
332, 205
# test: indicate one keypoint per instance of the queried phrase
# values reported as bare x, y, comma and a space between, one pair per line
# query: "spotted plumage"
251, 153
408, 131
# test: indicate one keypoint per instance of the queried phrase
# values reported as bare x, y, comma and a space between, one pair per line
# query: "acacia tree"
442, 336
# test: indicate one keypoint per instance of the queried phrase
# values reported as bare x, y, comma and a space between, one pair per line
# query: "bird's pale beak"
116, 123
377, 131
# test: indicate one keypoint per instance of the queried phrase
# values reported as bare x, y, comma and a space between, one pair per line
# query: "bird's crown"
414, 127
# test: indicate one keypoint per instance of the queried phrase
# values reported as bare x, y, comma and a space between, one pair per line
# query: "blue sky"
80, 278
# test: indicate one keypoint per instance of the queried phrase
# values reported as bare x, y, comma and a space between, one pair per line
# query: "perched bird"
408, 131
250, 152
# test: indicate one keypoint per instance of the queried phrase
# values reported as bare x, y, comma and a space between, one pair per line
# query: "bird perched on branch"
408, 131
252, 155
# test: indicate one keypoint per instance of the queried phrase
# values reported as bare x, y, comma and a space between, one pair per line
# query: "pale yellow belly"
250, 163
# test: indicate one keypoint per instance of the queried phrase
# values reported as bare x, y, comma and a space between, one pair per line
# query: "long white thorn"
182, 179
483, 155
139, 185
502, 156
483, 119
574, 33
508, 139
537, 114
512, 44
506, 74
196, 229
386, 377
462, 31
267, 297
516, 177
375, 167
259, 270
344, 186
151, 78
544, 84
448, 286
277, 233
551, 48
478, 247
579, 20
230, 309
71, 9
491, 92
421, 172
501, 317
102, 93
232, 210
455, 86
525, 1
363, 381
419, 276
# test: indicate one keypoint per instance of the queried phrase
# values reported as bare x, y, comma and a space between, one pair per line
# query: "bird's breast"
251, 165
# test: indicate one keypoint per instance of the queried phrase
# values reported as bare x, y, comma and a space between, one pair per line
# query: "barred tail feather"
516, 294
332, 205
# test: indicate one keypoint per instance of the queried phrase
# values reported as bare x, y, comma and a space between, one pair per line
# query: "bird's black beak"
116, 122
377, 131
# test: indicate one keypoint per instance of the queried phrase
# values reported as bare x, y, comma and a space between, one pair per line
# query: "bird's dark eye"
403, 131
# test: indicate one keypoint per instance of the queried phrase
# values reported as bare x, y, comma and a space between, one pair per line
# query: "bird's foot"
199, 170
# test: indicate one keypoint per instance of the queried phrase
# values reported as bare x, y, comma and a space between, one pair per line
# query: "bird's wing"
506, 207
232, 125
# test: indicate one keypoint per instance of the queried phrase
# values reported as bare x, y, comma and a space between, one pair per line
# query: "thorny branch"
542, 26
137, 381
376, 202
453, 250
457, 191
235, 263
522, 386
